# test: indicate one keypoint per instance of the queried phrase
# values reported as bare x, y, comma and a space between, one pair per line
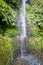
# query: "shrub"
6, 51
7, 16
35, 45
11, 32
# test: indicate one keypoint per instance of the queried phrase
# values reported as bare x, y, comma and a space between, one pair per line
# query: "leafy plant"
6, 51
35, 14
7, 17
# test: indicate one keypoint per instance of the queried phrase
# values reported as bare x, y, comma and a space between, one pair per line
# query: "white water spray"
23, 27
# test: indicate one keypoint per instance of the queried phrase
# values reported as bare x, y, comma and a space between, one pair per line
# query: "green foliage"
5, 13
11, 32
35, 46
35, 14
14, 3
35, 31
35, 20
6, 51
7, 18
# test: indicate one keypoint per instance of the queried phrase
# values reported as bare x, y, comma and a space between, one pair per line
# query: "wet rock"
28, 60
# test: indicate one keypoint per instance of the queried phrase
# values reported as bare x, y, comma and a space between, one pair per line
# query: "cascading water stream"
23, 27
30, 59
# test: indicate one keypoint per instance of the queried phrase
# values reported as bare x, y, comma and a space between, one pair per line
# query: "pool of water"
32, 60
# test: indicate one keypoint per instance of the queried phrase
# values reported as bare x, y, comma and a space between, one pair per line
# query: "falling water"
23, 28
23, 25
32, 60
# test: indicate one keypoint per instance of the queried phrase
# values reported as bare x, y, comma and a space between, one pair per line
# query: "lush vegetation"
7, 18
35, 21
8, 30
6, 50
9, 45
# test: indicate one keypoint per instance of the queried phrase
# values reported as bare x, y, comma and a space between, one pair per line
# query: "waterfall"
23, 27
